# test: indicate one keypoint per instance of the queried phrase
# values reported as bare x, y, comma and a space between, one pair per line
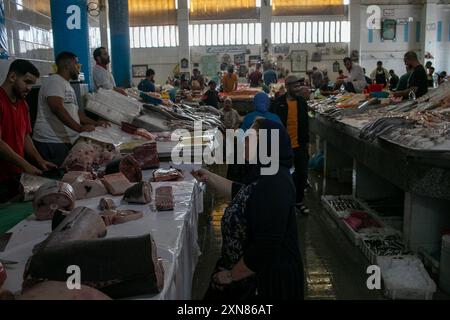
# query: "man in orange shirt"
230, 80
292, 108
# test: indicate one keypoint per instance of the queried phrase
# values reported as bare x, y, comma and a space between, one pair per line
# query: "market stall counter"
394, 150
175, 234
242, 98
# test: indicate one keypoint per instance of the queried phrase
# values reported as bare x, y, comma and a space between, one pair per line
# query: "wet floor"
334, 267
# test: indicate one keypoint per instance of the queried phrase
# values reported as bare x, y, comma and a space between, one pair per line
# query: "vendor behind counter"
59, 118
417, 81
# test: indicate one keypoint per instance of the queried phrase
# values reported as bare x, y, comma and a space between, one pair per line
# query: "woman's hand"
220, 184
202, 175
223, 277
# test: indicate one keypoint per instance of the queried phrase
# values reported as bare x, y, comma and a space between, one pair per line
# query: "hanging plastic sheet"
3, 34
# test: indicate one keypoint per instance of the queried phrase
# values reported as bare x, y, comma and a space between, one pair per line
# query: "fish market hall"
240, 150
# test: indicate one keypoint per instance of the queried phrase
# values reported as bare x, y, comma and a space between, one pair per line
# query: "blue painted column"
120, 42
71, 31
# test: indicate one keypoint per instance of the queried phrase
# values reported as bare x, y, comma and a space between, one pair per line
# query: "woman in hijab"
260, 256
261, 102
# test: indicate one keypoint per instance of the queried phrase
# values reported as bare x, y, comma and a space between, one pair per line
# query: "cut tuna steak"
171, 174
147, 155
85, 189
120, 216
116, 183
139, 193
107, 265
52, 196
71, 176
164, 198
57, 290
80, 224
107, 204
128, 166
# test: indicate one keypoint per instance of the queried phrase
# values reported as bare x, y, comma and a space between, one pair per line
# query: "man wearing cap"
292, 108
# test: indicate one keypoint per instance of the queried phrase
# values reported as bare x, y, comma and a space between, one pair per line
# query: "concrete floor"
335, 269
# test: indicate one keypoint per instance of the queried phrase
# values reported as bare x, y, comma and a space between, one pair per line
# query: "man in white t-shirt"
356, 80
103, 78
59, 121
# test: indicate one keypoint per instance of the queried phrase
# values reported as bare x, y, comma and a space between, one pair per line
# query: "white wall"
391, 52
438, 14
162, 60
327, 60
428, 13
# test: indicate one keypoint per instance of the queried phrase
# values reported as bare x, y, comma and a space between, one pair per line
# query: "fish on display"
107, 265
80, 224
147, 155
72, 176
106, 204
128, 166
139, 193
164, 198
111, 217
58, 290
116, 183
171, 174
85, 188
52, 196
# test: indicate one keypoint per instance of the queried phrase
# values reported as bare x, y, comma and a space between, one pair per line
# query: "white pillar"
430, 13
356, 25
183, 32
104, 24
265, 18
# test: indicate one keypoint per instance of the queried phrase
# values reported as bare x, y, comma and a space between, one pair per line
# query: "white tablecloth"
175, 234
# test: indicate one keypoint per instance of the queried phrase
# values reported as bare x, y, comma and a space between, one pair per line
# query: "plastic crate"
357, 237
352, 235
367, 252
338, 214
371, 255
412, 265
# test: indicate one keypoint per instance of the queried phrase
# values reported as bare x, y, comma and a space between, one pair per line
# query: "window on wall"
42, 6
307, 7
310, 32
224, 34
154, 37
40, 38
154, 12
220, 10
